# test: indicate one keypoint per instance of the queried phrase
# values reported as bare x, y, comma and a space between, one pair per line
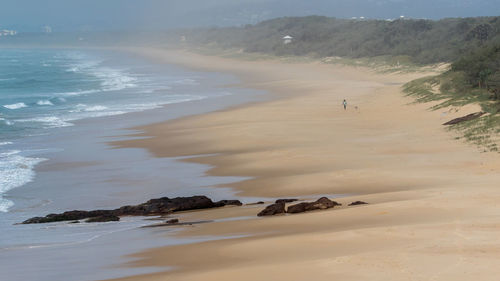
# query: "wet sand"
433, 212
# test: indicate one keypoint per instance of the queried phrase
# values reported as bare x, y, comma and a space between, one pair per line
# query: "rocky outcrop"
327, 202
69, 216
468, 117
222, 203
299, 208
273, 209
286, 200
159, 206
165, 205
320, 204
104, 218
357, 203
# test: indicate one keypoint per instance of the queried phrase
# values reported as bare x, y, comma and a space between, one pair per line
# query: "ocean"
45, 89
59, 109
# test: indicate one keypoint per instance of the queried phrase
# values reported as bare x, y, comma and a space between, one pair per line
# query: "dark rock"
468, 117
256, 203
286, 200
298, 208
74, 222
105, 218
327, 202
276, 208
223, 203
172, 221
35, 220
68, 216
159, 206
320, 204
357, 203
165, 205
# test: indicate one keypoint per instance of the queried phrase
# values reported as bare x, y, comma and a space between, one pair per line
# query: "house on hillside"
287, 39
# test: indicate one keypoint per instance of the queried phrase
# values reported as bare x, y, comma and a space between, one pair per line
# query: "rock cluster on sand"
320, 204
223, 203
160, 206
279, 208
273, 209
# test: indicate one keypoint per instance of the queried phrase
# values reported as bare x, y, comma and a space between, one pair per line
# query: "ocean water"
45, 89
59, 109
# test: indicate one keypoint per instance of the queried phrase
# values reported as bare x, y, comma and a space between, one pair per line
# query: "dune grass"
450, 90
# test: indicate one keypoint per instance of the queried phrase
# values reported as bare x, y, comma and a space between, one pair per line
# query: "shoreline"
389, 152
281, 91
106, 178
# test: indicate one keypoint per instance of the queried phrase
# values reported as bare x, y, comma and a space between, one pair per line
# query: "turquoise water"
60, 109
42, 90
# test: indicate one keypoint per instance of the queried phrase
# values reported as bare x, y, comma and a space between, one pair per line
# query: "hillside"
423, 41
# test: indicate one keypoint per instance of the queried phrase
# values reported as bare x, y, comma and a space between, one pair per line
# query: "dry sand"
433, 212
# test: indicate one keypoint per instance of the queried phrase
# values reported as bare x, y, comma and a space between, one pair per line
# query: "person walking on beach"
345, 104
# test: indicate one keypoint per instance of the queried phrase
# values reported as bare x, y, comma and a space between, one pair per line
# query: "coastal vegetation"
417, 40
472, 79
470, 45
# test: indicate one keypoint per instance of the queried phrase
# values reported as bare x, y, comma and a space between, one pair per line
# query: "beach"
432, 212
75, 102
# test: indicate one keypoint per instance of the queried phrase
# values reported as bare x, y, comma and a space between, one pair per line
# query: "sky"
94, 15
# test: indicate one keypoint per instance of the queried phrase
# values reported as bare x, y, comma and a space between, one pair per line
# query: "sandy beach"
433, 200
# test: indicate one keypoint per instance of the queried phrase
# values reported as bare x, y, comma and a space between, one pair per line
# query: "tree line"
472, 45
424, 41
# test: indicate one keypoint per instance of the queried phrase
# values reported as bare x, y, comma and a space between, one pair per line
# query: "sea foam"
15, 105
15, 170
111, 79
44, 102
49, 121
85, 108
95, 108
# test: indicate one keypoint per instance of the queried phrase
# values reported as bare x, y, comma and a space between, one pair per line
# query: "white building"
47, 29
287, 39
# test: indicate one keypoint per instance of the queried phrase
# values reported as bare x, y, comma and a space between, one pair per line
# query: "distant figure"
345, 104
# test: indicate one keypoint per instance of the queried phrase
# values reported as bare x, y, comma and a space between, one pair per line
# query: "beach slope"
432, 212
